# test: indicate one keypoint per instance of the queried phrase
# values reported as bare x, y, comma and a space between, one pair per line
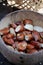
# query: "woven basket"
33, 5
11, 54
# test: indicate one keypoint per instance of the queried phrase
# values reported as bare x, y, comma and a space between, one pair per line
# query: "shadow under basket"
12, 55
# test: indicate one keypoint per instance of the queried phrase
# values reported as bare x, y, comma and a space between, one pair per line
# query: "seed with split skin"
19, 28
13, 25
36, 35
38, 29
32, 51
28, 27
4, 31
12, 31
41, 34
20, 36
28, 37
28, 21
22, 46
26, 32
29, 46
8, 41
10, 35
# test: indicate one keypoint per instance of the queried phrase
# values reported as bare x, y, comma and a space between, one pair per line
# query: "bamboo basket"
33, 5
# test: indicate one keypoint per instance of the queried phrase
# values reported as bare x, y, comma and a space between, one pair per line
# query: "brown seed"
13, 25
8, 41
4, 31
36, 44
10, 35
36, 35
28, 21
20, 36
22, 46
32, 51
29, 46
26, 32
18, 23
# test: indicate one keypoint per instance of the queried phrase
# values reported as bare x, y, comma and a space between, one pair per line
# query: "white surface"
29, 27
38, 28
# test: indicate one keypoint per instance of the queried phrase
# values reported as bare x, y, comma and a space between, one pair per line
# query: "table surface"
3, 11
